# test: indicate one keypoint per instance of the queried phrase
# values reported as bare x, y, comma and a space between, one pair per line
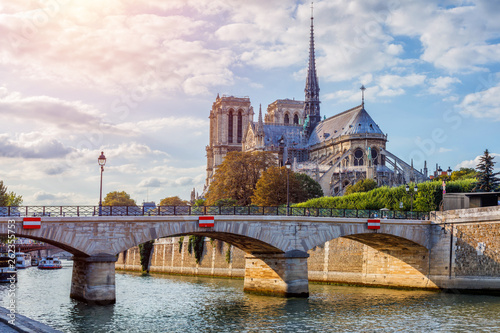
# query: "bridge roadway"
276, 246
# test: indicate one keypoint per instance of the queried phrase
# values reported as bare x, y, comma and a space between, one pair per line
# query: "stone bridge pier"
278, 274
93, 279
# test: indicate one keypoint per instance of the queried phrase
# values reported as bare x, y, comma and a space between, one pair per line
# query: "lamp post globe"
101, 160
288, 166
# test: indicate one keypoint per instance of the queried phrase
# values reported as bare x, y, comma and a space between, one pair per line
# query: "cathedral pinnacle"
260, 124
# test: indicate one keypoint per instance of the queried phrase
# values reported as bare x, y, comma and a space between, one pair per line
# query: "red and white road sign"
373, 224
32, 222
206, 221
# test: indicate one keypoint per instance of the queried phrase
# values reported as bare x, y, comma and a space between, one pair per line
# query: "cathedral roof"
291, 133
353, 121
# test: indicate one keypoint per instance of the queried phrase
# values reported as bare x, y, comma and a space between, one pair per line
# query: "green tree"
486, 178
464, 173
173, 201
9, 198
311, 188
236, 177
362, 185
271, 189
116, 198
225, 203
199, 202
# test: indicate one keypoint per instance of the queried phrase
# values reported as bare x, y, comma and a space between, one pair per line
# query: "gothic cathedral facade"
336, 151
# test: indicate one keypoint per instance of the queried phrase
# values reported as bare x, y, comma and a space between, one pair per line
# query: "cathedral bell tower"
229, 118
311, 102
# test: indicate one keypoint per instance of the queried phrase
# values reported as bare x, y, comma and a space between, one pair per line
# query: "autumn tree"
236, 177
173, 201
9, 198
116, 198
487, 179
272, 188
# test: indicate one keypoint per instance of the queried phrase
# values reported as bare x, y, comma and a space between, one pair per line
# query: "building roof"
352, 121
291, 133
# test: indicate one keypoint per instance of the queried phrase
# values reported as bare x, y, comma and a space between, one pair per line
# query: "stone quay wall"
337, 261
465, 255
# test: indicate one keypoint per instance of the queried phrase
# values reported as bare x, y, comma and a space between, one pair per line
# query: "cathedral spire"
311, 104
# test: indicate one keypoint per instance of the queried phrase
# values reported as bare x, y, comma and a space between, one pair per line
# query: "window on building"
240, 126
374, 153
358, 157
230, 127
295, 119
287, 118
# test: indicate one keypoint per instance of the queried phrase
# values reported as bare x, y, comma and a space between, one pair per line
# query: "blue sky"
137, 81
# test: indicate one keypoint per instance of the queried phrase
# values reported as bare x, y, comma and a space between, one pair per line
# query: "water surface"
163, 303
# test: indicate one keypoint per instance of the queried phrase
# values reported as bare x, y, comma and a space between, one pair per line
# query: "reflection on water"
163, 303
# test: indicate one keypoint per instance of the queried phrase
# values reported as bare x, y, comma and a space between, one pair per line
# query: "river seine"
162, 303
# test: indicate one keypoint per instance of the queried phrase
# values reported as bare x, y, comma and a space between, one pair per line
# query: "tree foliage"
9, 198
116, 198
311, 188
464, 173
427, 198
199, 202
486, 177
236, 177
173, 201
271, 189
362, 185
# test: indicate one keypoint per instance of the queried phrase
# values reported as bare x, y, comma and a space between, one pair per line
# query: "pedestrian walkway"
4, 328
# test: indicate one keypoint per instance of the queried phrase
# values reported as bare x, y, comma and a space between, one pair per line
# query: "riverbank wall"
464, 256
18, 323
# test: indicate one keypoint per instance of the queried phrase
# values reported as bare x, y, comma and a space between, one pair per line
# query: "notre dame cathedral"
335, 151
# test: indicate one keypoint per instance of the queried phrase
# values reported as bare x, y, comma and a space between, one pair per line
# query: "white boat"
8, 272
50, 263
23, 260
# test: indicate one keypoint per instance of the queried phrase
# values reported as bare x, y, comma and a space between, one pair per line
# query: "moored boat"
34, 261
8, 272
50, 263
23, 260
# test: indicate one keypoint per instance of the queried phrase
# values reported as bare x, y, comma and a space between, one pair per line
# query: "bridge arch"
63, 246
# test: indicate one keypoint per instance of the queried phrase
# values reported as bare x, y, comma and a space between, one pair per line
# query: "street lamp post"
288, 165
102, 161
412, 193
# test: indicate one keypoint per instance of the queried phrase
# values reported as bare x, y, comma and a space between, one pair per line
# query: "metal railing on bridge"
62, 211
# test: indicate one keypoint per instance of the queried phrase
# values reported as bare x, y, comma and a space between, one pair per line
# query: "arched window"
358, 157
240, 126
295, 119
287, 119
374, 153
230, 127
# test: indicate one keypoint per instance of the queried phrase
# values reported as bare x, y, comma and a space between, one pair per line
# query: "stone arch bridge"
276, 246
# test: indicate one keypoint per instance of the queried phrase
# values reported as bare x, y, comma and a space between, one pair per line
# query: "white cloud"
441, 85
54, 113
473, 163
37, 148
482, 104
451, 37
